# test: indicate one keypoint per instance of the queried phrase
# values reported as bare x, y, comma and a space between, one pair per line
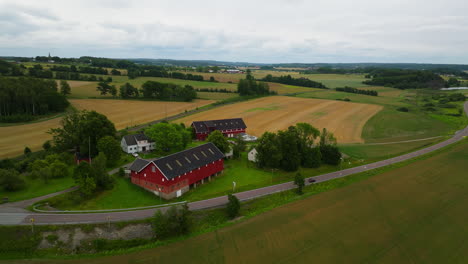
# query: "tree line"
300, 145
288, 79
214, 90
405, 79
161, 72
348, 89
168, 91
80, 69
24, 99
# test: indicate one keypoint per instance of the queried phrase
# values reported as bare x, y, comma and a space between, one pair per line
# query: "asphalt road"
23, 218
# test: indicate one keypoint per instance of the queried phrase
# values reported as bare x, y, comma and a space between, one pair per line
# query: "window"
145, 174
169, 166
178, 162
204, 153
153, 168
187, 160
196, 157
211, 151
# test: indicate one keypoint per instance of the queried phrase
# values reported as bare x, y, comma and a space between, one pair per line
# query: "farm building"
173, 175
136, 143
229, 127
252, 155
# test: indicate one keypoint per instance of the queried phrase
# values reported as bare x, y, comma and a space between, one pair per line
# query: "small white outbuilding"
252, 155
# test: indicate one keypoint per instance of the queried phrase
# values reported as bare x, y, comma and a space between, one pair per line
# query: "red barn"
229, 127
173, 175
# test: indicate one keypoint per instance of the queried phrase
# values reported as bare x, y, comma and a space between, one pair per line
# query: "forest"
405, 79
24, 99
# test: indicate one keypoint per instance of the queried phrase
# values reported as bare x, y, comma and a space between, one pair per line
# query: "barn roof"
185, 161
222, 124
139, 164
132, 139
182, 162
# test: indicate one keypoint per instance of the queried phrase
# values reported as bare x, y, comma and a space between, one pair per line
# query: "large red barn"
173, 175
229, 127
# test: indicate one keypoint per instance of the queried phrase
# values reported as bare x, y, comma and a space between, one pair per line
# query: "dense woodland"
300, 145
168, 91
288, 79
249, 86
405, 79
348, 89
24, 99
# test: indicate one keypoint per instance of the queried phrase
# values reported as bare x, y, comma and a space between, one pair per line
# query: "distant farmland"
344, 119
413, 214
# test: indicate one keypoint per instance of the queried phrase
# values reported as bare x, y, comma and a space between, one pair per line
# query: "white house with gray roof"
136, 143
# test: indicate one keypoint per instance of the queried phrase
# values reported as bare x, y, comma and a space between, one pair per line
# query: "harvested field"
126, 113
13, 139
273, 113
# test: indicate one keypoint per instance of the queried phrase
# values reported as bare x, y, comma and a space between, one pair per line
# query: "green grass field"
37, 187
244, 173
369, 152
390, 125
412, 214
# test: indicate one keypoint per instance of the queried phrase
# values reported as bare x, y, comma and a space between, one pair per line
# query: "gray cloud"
262, 31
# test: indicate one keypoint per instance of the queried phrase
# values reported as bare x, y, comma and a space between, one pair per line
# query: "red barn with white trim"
173, 175
229, 127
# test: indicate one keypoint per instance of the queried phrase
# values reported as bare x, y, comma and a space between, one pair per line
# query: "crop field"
216, 96
124, 113
13, 139
344, 119
128, 113
84, 90
413, 214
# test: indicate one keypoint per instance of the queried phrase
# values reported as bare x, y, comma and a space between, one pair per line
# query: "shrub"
403, 109
51, 238
233, 206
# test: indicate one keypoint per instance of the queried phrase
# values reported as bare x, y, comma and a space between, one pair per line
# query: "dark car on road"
312, 180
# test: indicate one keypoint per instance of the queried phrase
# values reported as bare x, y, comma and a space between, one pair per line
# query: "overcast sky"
426, 31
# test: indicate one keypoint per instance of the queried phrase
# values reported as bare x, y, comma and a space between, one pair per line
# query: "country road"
22, 218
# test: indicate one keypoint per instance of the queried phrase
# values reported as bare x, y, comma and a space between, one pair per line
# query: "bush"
10, 180
330, 154
403, 109
233, 206
299, 181
175, 221
51, 238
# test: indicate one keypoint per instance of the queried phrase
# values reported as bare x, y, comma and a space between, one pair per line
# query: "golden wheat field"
273, 113
126, 113
13, 139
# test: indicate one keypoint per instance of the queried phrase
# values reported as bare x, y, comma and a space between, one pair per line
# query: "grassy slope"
413, 214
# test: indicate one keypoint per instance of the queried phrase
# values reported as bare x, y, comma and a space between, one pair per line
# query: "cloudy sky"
426, 31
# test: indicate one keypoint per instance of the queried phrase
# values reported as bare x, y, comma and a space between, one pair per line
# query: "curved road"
23, 218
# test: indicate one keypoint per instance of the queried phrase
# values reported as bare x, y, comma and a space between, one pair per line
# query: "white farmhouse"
252, 155
136, 143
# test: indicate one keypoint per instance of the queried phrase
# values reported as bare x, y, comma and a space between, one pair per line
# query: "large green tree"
81, 131
111, 148
269, 152
219, 140
65, 88
168, 137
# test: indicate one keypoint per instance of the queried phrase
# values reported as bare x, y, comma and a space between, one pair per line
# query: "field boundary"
105, 210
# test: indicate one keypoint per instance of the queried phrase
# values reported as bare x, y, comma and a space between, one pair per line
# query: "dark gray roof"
185, 161
138, 164
132, 139
223, 124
